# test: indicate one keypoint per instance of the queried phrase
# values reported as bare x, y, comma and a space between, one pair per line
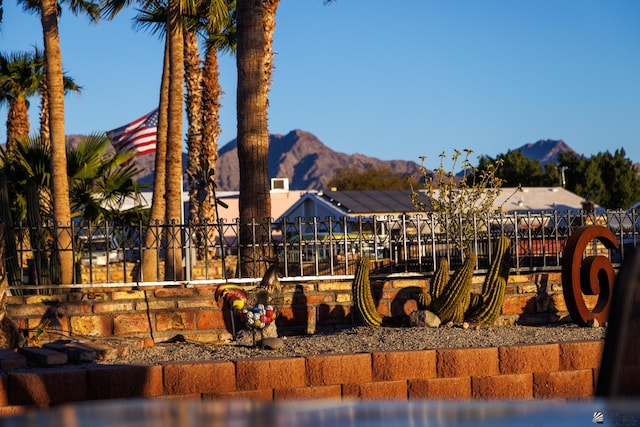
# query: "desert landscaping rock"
366, 339
272, 343
424, 318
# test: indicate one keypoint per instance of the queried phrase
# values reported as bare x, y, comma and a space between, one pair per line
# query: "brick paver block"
440, 388
210, 319
563, 384
131, 323
520, 359
379, 390
333, 392
580, 355
45, 387
518, 304
513, 386
202, 377
339, 369
253, 395
269, 374
403, 365
466, 362
124, 381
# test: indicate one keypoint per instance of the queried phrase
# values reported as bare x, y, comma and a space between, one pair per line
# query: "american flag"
139, 135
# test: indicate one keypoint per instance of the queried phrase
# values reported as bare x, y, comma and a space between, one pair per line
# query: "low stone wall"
159, 313
549, 371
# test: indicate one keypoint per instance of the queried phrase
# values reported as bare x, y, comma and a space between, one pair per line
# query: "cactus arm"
362, 297
490, 309
500, 263
438, 282
454, 301
440, 278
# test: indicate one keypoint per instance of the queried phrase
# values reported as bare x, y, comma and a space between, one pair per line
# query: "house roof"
538, 199
373, 201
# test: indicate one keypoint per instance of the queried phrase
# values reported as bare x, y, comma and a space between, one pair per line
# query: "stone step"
10, 359
77, 352
43, 357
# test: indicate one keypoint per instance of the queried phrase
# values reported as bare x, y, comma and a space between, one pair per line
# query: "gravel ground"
367, 339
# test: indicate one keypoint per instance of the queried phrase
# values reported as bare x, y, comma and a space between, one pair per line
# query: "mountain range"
309, 164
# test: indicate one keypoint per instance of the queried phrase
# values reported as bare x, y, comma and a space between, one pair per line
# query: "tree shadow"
541, 309
296, 319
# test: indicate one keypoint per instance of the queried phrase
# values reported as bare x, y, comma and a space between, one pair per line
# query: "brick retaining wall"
549, 371
160, 313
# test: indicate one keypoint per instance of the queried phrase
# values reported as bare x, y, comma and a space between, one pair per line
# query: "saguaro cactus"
452, 304
363, 300
494, 286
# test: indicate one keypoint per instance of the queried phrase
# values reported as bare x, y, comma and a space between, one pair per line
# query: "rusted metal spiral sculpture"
590, 275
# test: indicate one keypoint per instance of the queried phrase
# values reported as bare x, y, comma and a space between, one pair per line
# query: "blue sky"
392, 80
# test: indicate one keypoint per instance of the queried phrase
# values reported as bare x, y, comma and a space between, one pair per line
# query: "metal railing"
324, 247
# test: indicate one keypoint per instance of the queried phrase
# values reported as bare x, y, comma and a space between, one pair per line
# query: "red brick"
47, 386
404, 365
580, 355
124, 381
339, 369
15, 312
111, 307
130, 323
514, 386
210, 319
73, 310
92, 325
253, 395
174, 292
520, 359
380, 390
304, 299
205, 289
518, 304
309, 393
295, 316
175, 321
563, 384
267, 373
440, 388
333, 313
202, 377
467, 362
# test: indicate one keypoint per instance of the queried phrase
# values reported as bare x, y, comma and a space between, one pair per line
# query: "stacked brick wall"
160, 313
550, 371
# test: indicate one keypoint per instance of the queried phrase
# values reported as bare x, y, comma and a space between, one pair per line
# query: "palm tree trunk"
253, 135
173, 260
60, 185
153, 234
211, 130
17, 122
193, 79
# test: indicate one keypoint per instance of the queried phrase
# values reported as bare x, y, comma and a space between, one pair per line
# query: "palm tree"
256, 22
99, 183
219, 35
54, 83
20, 78
154, 17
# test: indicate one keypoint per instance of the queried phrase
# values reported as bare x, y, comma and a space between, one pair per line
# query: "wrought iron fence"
317, 248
